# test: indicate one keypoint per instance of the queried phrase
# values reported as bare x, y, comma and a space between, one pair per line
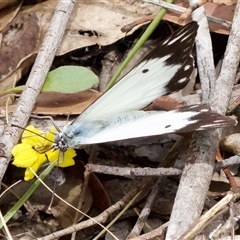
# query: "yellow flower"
36, 148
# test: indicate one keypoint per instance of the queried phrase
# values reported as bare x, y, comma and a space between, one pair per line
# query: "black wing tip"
192, 24
182, 55
205, 119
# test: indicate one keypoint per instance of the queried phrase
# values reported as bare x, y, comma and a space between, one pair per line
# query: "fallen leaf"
8, 11
164, 103
231, 143
62, 103
5, 4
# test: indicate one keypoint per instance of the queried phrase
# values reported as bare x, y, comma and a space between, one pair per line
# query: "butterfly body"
116, 115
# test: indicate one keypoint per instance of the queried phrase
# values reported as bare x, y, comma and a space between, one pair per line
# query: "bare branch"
35, 81
127, 171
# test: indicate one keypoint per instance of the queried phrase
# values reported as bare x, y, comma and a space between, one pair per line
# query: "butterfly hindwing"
142, 124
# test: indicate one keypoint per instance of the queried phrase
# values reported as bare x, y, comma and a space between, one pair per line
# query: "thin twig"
35, 81
235, 160
127, 171
137, 229
206, 68
153, 234
180, 9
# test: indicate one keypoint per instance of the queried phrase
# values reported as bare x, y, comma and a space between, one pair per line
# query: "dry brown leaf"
71, 191
8, 13
164, 103
226, 2
231, 143
5, 4
60, 103
20, 39
101, 199
76, 103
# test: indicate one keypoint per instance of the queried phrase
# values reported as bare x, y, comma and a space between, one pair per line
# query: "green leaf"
69, 79
66, 79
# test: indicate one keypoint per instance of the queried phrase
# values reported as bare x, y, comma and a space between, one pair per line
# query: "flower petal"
68, 158
24, 155
28, 173
63, 159
32, 136
51, 136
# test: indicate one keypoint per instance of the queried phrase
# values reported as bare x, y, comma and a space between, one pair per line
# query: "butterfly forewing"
156, 75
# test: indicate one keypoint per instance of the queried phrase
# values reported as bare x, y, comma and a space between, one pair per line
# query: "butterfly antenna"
13, 125
50, 118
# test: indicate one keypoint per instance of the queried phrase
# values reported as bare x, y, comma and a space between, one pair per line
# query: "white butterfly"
116, 115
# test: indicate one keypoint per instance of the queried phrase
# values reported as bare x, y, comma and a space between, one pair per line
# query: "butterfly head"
60, 143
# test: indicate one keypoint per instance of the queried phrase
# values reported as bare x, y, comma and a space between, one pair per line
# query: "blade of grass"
140, 42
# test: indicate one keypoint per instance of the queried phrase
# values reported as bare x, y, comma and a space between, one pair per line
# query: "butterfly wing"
166, 69
141, 124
